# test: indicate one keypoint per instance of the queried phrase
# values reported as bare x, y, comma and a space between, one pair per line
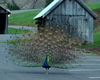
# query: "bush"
48, 2
55, 43
12, 6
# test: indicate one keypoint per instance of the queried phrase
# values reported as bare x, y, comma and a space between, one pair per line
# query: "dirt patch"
95, 49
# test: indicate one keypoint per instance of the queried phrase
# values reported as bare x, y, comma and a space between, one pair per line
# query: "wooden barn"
3, 20
71, 15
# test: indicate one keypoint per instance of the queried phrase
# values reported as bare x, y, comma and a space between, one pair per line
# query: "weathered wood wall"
70, 14
3, 22
6, 25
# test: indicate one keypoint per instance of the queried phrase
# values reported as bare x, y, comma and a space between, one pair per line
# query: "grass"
17, 31
23, 18
94, 6
11, 42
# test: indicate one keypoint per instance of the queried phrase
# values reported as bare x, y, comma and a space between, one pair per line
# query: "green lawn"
23, 18
17, 31
94, 6
97, 39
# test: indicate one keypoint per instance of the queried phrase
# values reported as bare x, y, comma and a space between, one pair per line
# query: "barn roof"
55, 3
48, 9
7, 12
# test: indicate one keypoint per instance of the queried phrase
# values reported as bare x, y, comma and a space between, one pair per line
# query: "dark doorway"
2, 23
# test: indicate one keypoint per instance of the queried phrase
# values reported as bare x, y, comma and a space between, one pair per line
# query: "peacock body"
46, 64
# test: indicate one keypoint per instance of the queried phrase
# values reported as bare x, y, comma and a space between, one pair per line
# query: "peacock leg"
46, 71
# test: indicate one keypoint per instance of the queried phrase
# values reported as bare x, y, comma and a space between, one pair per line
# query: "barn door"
2, 23
78, 27
73, 25
81, 29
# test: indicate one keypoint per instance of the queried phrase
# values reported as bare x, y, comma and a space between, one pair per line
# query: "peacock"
30, 50
46, 64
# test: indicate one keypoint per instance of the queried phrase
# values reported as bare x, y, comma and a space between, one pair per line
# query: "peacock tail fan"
30, 49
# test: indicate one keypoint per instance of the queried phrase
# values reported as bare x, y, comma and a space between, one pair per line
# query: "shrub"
12, 6
48, 2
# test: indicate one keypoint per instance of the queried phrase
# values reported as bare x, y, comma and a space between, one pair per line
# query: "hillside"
29, 4
92, 1
26, 4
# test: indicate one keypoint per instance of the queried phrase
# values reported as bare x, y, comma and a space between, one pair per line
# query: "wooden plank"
57, 17
50, 20
60, 17
70, 7
63, 22
86, 23
74, 9
91, 30
88, 26
80, 10
83, 30
63, 10
6, 25
46, 23
79, 29
67, 23
75, 25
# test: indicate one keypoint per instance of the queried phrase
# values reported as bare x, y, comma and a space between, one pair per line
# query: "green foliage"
48, 2
12, 6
